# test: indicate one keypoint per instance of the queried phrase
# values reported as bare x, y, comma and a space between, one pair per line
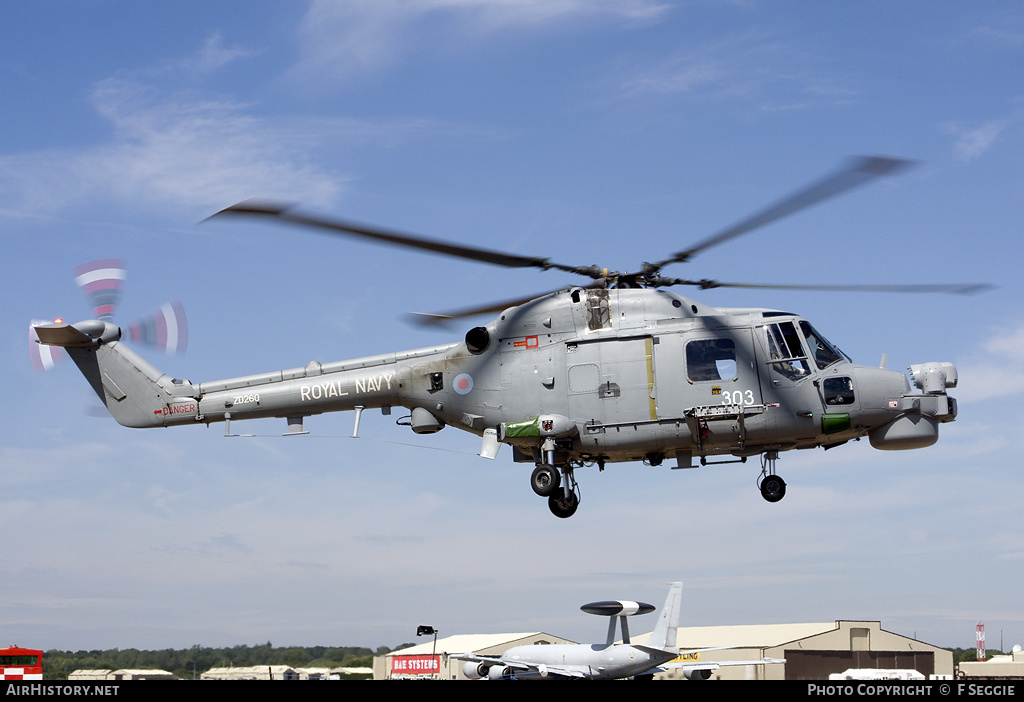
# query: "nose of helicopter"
915, 417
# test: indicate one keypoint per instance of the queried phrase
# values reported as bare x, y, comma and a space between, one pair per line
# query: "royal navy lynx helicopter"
618, 369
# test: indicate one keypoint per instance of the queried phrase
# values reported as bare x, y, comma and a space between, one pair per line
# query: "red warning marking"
177, 409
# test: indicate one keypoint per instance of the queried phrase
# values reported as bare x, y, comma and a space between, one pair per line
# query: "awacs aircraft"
607, 661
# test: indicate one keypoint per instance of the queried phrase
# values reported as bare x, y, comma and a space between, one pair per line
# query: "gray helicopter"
618, 369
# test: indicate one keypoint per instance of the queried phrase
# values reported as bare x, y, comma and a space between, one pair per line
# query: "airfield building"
812, 651
1008, 666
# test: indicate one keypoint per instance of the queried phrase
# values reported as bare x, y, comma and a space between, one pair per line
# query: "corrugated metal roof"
745, 636
464, 643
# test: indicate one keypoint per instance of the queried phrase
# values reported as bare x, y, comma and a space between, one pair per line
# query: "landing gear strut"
564, 502
773, 488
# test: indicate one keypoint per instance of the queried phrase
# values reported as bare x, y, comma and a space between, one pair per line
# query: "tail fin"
664, 634
135, 393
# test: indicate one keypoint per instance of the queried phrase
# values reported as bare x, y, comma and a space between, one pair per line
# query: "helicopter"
618, 369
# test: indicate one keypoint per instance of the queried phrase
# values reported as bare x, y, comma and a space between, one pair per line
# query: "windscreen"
823, 353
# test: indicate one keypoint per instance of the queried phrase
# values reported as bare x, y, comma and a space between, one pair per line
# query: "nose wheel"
773, 488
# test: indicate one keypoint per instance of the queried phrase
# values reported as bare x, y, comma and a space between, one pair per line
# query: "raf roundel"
463, 383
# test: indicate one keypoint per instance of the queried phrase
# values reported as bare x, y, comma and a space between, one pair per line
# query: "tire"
562, 507
773, 488
545, 480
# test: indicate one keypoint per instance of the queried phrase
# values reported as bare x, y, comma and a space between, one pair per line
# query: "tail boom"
139, 395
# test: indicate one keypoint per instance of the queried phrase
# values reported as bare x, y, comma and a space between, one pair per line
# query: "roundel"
463, 383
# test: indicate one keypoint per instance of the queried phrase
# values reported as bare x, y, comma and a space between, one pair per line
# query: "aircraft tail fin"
134, 392
664, 634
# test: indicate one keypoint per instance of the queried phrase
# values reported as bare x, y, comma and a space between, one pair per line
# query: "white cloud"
176, 151
678, 75
997, 371
751, 67
359, 35
215, 55
971, 143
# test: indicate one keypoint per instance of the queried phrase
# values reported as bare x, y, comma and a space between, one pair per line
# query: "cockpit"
794, 345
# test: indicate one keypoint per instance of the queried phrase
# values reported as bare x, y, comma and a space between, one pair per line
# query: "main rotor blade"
951, 288
858, 171
443, 318
285, 214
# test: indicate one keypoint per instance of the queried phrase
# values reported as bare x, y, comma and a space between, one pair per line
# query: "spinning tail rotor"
102, 282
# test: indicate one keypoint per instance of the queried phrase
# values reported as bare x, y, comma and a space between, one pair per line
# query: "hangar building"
812, 651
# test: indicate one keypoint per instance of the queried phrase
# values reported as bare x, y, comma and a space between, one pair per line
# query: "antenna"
617, 611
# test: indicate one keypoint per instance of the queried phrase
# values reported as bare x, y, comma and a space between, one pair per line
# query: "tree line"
189, 662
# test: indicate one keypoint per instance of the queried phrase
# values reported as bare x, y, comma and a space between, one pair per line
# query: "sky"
608, 132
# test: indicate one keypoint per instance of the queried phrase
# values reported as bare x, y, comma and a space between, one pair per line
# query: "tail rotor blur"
102, 282
43, 357
165, 329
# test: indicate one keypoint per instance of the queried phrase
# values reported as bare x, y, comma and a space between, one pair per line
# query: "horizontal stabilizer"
78, 335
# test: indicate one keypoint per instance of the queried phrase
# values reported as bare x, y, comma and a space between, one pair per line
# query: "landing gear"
562, 506
545, 480
558, 485
773, 488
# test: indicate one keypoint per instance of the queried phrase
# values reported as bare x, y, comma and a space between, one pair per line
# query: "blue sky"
591, 132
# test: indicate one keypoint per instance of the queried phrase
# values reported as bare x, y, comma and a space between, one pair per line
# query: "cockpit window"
786, 356
823, 353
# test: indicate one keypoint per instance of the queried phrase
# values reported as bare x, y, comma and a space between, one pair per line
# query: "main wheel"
545, 480
563, 507
773, 488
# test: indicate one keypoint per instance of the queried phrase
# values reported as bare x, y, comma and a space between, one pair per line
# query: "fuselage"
598, 661
603, 374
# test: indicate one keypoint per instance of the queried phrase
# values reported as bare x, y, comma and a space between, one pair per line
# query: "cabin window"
711, 359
